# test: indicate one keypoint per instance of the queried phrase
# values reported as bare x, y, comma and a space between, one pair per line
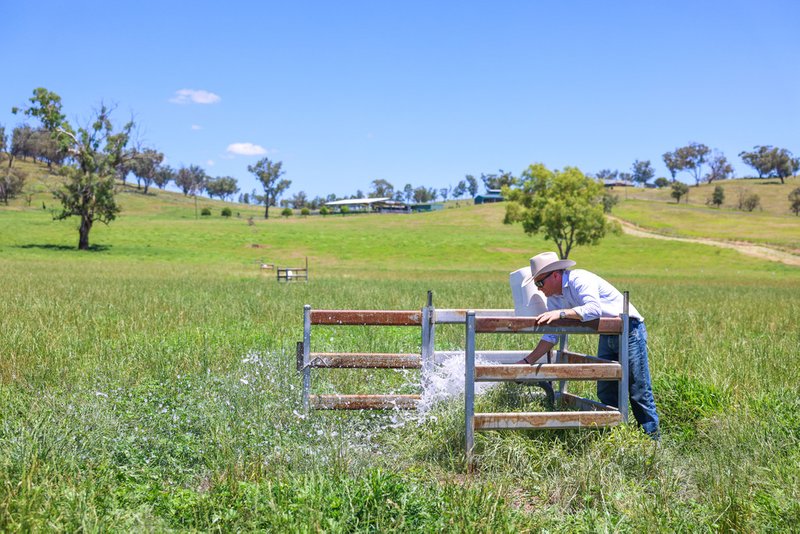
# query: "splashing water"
447, 380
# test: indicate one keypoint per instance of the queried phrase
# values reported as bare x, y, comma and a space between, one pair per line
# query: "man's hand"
548, 317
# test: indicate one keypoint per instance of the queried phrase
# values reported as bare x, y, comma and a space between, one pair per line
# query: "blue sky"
344, 93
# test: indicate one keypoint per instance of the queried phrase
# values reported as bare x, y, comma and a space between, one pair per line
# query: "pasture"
149, 383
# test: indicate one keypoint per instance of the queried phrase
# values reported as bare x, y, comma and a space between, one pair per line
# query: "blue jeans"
640, 389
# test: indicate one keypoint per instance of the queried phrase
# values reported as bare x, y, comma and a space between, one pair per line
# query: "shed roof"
352, 201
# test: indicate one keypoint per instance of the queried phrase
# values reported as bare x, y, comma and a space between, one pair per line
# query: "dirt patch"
256, 245
757, 251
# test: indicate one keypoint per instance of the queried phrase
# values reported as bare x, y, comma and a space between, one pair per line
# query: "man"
582, 295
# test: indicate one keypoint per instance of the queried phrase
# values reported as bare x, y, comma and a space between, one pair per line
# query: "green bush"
205, 212
609, 201
226, 212
286, 212
305, 212
324, 210
344, 210
748, 201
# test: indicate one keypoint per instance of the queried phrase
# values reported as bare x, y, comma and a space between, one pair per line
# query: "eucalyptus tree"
222, 186
145, 166
472, 185
759, 159
382, 188
784, 165
771, 161
95, 151
692, 157
20, 144
642, 172
269, 174
607, 174
673, 163
460, 189
408, 192
299, 200
191, 179
12, 182
566, 206
499, 180
164, 175
719, 168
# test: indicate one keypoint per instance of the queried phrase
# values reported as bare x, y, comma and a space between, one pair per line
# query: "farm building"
491, 195
380, 204
427, 206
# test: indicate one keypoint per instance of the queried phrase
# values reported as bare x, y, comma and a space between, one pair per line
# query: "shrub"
344, 210
661, 182
609, 201
679, 189
324, 210
305, 212
205, 212
748, 201
717, 197
286, 212
794, 201
226, 212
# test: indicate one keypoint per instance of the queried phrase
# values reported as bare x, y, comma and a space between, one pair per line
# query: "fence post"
469, 388
428, 327
623, 359
306, 355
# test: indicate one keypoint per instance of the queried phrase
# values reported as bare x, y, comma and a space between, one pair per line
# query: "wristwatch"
562, 315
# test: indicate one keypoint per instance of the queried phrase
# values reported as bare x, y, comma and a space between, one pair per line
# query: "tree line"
94, 156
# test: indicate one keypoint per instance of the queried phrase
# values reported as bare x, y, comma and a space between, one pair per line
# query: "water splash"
447, 380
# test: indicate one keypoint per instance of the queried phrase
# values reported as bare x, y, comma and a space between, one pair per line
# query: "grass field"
148, 384
773, 224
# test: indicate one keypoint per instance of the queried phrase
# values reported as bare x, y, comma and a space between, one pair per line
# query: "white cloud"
246, 149
196, 127
196, 96
210, 163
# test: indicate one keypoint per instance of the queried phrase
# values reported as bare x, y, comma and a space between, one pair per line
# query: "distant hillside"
771, 224
653, 209
772, 193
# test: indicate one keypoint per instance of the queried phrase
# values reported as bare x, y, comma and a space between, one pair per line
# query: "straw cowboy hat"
544, 263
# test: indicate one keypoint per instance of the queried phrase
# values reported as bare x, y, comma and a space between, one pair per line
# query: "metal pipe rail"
307, 360
569, 366
427, 319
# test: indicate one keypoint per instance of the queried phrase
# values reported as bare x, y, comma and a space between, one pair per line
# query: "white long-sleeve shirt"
590, 296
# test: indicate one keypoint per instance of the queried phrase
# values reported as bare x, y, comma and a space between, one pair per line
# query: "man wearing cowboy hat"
582, 295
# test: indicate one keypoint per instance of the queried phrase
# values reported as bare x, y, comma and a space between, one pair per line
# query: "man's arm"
541, 349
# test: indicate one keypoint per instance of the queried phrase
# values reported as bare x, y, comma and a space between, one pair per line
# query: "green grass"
773, 224
149, 384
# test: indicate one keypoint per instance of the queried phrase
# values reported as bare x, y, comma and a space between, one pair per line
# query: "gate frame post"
623, 359
469, 389
306, 355
428, 338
